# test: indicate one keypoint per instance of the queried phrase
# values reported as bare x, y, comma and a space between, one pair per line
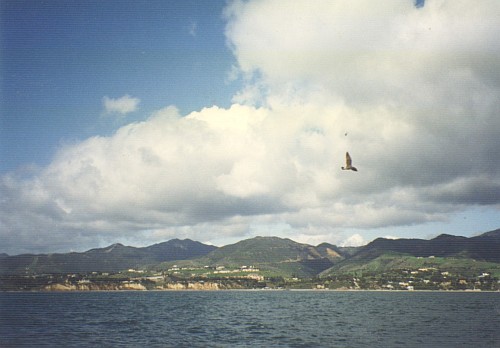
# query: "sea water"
250, 319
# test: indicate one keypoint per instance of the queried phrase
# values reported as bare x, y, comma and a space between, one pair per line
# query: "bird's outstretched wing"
348, 160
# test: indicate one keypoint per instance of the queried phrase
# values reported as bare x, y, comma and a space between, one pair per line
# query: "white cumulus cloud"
417, 90
122, 105
355, 240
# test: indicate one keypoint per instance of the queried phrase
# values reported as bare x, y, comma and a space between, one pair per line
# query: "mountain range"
270, 254
113, 258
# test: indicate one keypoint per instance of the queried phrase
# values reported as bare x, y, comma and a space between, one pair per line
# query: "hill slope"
277, 255
485, 247
115, 257
385, 254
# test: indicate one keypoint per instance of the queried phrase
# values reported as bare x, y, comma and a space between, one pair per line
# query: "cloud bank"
416, 89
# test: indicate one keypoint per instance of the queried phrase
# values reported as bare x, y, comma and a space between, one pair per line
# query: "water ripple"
249, 319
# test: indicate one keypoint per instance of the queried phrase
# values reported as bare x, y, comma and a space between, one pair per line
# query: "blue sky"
61, 57
142, 121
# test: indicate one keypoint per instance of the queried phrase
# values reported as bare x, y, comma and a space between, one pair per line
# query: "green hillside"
113, 258
391, 261
272, 255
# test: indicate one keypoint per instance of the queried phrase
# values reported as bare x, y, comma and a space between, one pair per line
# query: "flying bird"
348, 163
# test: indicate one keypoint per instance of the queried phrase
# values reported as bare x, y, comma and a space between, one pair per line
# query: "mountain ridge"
485, 247
115, 257
271, 254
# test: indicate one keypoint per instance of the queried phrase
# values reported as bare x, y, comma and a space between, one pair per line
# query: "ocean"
250, 319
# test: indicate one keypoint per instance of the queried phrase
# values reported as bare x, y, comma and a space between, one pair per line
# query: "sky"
142, 121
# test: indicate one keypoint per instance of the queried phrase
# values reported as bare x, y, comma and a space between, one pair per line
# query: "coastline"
251, 290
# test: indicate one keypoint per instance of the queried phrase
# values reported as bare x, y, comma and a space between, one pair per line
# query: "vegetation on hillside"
443, 263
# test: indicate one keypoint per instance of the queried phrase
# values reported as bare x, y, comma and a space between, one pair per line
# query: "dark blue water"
250, 319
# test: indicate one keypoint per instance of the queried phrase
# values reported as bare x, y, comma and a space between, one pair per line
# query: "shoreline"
255, 290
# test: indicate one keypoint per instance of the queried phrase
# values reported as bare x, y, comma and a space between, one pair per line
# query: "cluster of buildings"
424, 279
249, 277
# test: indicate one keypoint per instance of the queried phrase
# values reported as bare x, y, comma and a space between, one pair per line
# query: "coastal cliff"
190, 286
132, 286
93, 287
